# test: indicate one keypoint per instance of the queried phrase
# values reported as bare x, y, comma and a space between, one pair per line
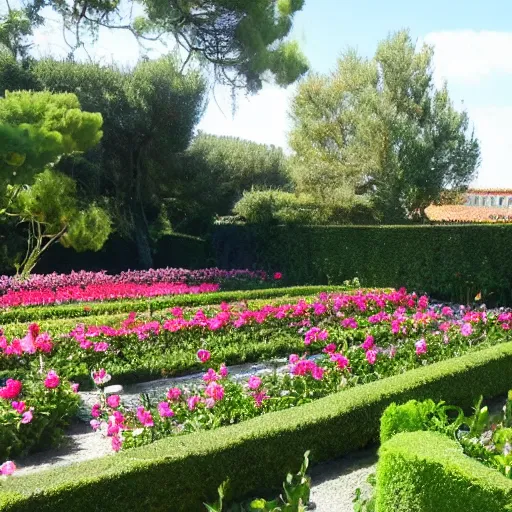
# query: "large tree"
243, 40
379, 127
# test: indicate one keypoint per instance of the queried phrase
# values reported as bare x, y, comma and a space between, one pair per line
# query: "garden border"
181, 473
428, 472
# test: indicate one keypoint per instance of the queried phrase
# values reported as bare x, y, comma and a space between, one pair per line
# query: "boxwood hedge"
427, 472
180, 473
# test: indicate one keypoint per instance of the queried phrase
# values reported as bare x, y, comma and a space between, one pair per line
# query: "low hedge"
451, 262
180, 473
428, 472
84, 309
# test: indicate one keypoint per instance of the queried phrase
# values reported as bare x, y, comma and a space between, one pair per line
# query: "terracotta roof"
462, 213
483, 191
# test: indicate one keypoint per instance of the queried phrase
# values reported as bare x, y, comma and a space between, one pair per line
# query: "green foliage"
414, 416
15, 27
379, 127
451, 262
37, 128
427, 472
256, 453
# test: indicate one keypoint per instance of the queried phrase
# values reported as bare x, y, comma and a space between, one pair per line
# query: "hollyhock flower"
223, 371
293, 358
114, 401
215, 391
278, 275
164, 410
52, 380
193, 401
315, 334
145, 417
371, 356
95, 424
330, 348
203, 355
421, 347
254, 382
369, 342
211, 375
27, 416
7, 468
466, 329
11, 389
19, 407
74, 387
259, 397
174, 394
116, 443
96, 411
340, 360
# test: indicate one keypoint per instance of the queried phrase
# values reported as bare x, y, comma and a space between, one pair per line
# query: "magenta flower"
52, 380
7, 468
27, 416
193, 401
96, 411
349, 323
293, 358
466, 329
211, 375
215, 391
330, 348
11, 389
369, 342
254, 382
116, 443
277, 276
145, 417
164, 410
223, 371
259, 397
174, 394
317, 372
341, 361
203, 355
371, 356
95, 424
19, 407
75, 387
100, 377
101, 346
315, 334
421, 347
114, 401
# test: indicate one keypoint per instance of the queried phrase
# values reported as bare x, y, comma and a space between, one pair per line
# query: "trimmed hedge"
450, 262
428, 472
34, 313
180, 473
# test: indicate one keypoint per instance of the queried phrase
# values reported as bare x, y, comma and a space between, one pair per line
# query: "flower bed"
428, 472
253, 454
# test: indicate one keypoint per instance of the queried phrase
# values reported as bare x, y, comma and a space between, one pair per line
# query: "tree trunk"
142, 237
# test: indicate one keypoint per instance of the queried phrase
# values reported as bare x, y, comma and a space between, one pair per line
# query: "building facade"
490, 198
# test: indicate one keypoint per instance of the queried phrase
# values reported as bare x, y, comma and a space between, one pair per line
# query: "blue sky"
473, 45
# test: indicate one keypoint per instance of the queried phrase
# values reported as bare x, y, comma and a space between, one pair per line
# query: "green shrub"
450, 262
427, 472
181, 473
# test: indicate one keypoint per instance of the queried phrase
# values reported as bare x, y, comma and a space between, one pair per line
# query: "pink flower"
27, 416
96, 411
209, 403
95, 424
18, 406
329, 349
145, 417
116, 443
7, 468
215, 391
466, 329
447, 311
11, 389
341, 361
254, 382
317, 372
114, 401
259, 397
52, 380
421, 347
315, 334
101, 346
371, 356
174, 394
203, 355
293, 358
223, 371
211, 375
369, 342
278, 275
100, 377
349, 323
164, 410
74, 387
193, 401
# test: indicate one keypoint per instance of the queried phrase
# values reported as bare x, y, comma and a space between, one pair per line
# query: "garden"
231, 369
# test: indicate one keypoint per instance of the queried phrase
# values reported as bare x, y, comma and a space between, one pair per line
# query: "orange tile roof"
505, 191
463, 213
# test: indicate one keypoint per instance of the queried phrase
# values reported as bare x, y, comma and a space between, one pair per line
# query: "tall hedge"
451, 262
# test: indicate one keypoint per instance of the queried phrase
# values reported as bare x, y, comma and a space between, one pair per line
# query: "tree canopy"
379, 127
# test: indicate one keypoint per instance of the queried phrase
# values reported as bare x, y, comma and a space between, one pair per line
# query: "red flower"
278, 275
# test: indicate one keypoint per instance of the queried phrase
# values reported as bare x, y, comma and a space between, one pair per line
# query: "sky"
473, 53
